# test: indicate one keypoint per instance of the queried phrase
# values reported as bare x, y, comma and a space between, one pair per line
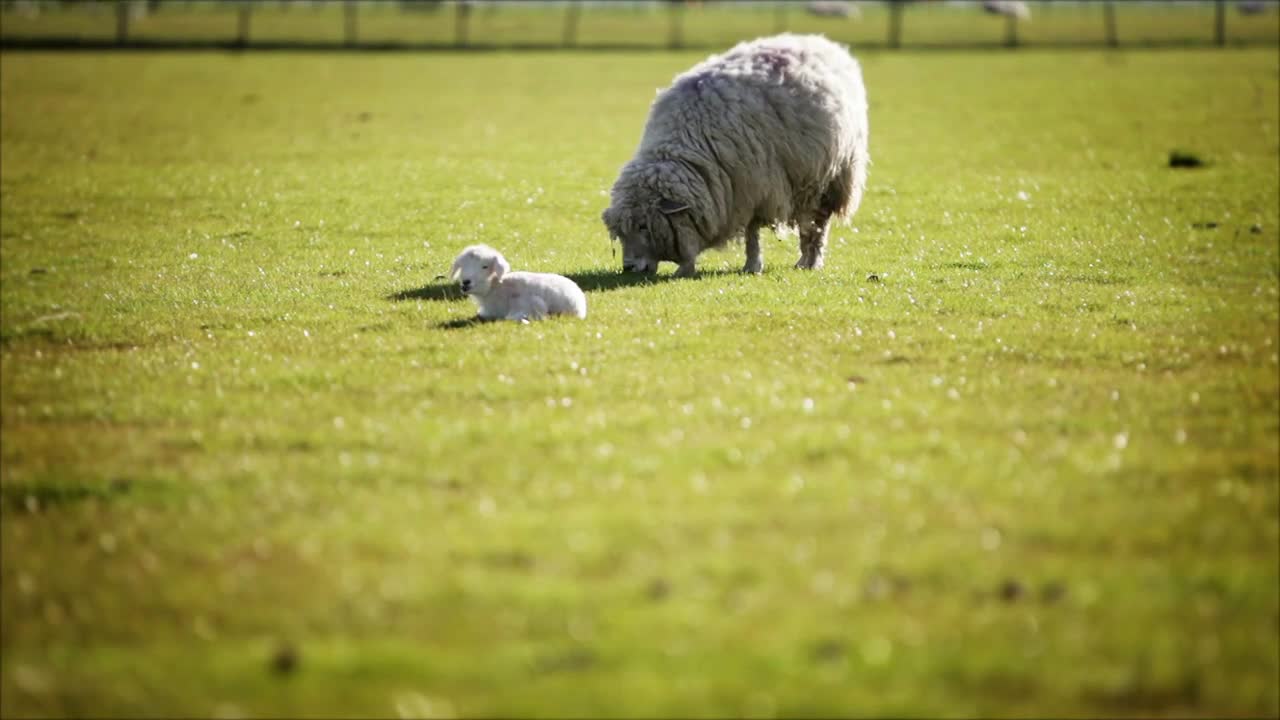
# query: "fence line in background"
463, 11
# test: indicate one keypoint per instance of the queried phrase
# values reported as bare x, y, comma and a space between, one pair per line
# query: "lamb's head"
649, 232
478, 268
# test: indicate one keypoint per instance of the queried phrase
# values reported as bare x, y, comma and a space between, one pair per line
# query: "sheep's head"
649, 234
478, 268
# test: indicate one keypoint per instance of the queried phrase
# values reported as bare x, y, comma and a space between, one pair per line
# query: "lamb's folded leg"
528, 310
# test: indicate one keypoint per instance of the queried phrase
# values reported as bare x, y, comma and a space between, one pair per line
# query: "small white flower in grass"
1023, 195
195, 365
486, 506
1121, 440
339, 423
1180, 436
991, 539
745, 423
807, 405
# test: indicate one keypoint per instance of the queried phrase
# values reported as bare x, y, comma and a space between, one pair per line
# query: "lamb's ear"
457, 268
671, 207
500, 267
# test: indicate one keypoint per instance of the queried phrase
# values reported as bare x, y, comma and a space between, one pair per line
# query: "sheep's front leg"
688, 259
754, 264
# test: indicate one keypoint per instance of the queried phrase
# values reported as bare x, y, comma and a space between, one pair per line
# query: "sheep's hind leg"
754, 264
813, 242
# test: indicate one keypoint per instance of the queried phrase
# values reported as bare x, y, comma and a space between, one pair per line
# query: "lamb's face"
478, 269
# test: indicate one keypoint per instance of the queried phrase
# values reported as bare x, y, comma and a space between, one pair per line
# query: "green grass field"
256, 463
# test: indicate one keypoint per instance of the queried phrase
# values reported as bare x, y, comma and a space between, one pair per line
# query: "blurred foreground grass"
251, 463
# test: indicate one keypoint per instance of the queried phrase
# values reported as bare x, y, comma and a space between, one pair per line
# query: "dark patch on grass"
896, 360
510, 559
284, 660
1207, 225
463, 323
435, 292
338, 273
1011, 590
965, 265
1052, 592
575, 660
38, 271
827, 650
1185, 159
873, 278
14, 336
375, 327
44, 495
1150, 698
68, 215
658, 589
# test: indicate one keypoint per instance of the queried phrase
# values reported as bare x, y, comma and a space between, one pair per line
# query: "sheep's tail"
844, 194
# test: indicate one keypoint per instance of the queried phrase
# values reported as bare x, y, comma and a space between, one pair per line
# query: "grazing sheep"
772, 132
1009, 8
832, 8
500, 294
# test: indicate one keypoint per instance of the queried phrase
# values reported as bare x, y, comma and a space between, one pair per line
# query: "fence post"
1011, 31
1220, 22
349, 25
464, 13
1109, 19
676, 38
895, 24
571, 23
122, 22
242, 24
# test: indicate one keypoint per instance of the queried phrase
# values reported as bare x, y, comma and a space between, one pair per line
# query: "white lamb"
500, 294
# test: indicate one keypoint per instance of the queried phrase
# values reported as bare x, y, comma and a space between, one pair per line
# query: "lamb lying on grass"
486, 276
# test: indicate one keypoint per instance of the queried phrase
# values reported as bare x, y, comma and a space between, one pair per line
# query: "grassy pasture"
255, 462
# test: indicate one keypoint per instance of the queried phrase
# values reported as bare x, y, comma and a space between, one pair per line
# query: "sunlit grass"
252, 463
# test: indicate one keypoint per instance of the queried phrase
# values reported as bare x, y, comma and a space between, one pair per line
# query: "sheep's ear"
500, 267
671, 207
457, 268
610, 219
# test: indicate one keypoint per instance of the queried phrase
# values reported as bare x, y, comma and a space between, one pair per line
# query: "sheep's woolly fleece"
773, 132
501, 294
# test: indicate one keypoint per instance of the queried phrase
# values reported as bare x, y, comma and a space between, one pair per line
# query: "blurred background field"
517, 23
1015, 452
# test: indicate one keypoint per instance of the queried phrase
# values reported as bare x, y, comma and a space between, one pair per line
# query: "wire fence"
583, 24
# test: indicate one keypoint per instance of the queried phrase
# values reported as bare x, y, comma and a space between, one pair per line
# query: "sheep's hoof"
753, 268
685, 273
